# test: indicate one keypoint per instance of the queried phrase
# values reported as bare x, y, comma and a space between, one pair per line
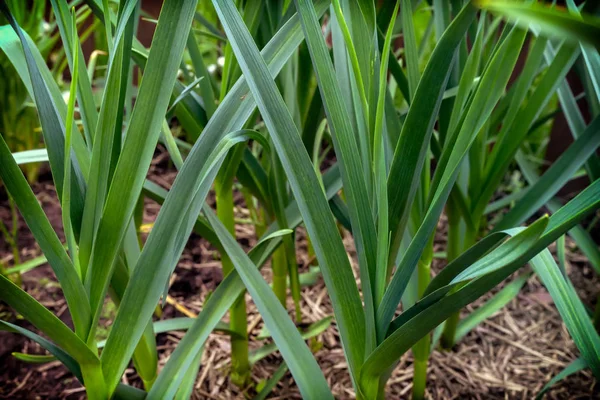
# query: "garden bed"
511, 355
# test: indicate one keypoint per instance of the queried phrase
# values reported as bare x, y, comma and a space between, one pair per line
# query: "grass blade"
570, 369
56, 351
492, 306
410, 47
85, 99
107, 138
214, 309
555, 177
141, 137
553, 21
313, 330
157, 261
409, 155
489, 91
272, 382
571, 309
46, 237
56, 330
346, 149
290, 343
52, 112
305, 186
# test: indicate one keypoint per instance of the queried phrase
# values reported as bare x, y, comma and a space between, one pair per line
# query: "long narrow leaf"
306, 372
141, 137
305, 185
411, 148
46, 237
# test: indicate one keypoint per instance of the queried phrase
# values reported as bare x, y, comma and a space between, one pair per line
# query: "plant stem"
420, 375
240, 366
447, 339
453, 251
421, 349
280, 274
460, 238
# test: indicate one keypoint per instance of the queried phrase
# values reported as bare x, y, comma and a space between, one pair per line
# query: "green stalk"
453, 251
420, 368
447, 339
458, 241
240, 365
279, 263
279, 266
422, 348
284, 258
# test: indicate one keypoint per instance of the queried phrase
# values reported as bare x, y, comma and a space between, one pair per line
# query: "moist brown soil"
511, 355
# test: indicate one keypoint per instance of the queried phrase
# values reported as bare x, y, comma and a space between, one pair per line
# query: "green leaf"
410, 151
573, 114
52, 111
157, 261
56, 330
581, 237
56, 351
313, 206
468, 77
44, 320
31, 156
85, 97
515, 130
441, 303
313, 330
186, 91
206, 88
553, 21
232, 113
215, 308
554, 178
46, 237
574, 211
140, 141
186, 388
107, 138
66, 194
576, 366
300, 361
490, 88
34, 358
571, 309
506, 253
346, 149
272, 382
380, 170
27, 265
410, 47
492, 306
179, 324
